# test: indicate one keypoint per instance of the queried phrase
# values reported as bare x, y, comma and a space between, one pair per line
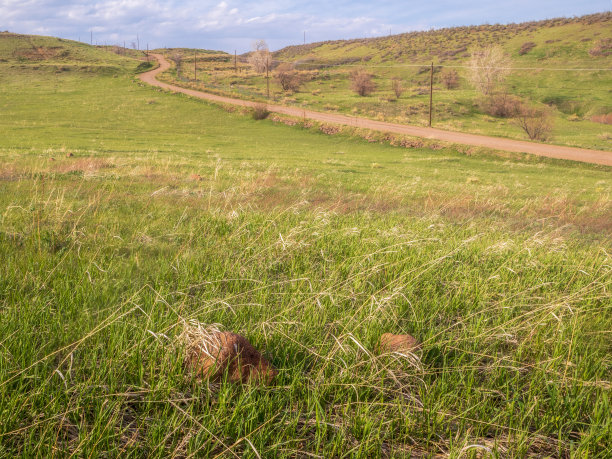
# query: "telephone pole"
268, 79
430, 94
235, 62
195, 65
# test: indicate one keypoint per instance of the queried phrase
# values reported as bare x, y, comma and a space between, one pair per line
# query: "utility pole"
195, 65
430, 94
91, 37
268, 78
304, 37
235, 62
137, 43
147, 53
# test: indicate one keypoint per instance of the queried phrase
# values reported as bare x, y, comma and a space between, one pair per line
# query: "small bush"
526, 47
450, 79
501, 105
537, 123
260, 112
361, 82
288, 78
397, 86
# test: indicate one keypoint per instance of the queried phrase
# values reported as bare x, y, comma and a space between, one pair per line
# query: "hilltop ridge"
450, 44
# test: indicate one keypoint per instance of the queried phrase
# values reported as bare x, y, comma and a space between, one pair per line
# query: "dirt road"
552, 151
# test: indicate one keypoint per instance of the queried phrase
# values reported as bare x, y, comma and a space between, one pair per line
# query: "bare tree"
177, 58
398, 86
450, 79
361, 82
288, 77
488, 68
537, 123
260, 58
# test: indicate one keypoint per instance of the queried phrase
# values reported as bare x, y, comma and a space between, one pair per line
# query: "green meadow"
128, 213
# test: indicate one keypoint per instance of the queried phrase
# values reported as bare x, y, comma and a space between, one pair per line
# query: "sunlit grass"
126, 212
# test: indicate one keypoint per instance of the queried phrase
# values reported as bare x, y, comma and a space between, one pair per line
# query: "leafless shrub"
260, 58
260, 112
177, 58
398, 86
288, 78
361, 82
450, 79
537, 123
501, 105
488, 68
526, 47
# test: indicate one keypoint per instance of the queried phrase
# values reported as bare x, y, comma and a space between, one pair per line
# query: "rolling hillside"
51, 53
557, 41
560, 65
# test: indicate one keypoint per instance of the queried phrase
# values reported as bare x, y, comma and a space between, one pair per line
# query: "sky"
230, 25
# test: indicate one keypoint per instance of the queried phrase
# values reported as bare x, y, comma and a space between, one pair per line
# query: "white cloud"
233, 24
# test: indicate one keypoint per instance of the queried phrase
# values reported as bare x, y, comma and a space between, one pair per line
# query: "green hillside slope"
563, 66
39, 52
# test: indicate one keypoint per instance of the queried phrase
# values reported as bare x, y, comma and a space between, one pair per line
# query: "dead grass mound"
396, 343
211, 353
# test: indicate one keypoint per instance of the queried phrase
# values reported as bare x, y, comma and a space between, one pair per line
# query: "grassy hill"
126, 212
51, 53
551, 61
555, 41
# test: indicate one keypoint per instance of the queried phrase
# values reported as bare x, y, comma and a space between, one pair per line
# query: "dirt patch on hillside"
40, 53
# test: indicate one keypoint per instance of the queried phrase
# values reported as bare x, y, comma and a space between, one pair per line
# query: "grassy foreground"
172, 210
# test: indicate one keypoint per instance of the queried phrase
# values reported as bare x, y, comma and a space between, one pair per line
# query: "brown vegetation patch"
526, 47
37, 53
603, 119
82, 165
396, 343
8, 173
602, 48
211, 353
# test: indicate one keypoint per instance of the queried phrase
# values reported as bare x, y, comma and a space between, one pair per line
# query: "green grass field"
126, 212
574, 96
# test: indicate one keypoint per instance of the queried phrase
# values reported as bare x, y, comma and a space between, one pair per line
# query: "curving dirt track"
519, 146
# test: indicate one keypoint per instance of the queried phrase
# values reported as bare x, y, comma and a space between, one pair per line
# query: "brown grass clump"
602, 48
526, 47
396, 343
260, 112
83, 165
211, 353
603, 119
